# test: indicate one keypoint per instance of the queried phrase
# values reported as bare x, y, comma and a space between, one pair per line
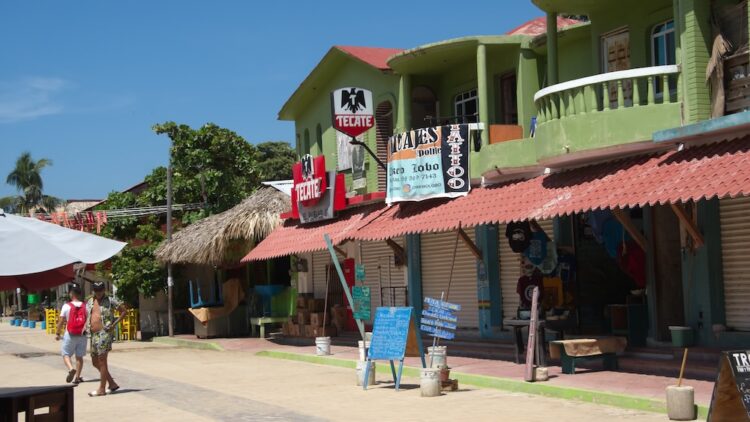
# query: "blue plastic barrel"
32, 324
25, 323
43, 325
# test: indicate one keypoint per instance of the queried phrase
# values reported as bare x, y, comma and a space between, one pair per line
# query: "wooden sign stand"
531, 345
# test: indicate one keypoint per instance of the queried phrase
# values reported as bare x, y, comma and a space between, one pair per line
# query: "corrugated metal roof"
294, 238
715, 170
374, 56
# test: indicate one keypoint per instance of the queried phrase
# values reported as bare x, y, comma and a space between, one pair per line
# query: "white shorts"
74, 345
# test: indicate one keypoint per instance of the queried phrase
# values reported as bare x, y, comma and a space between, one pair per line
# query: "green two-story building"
567, 111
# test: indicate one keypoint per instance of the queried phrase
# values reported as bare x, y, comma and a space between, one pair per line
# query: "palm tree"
26, 177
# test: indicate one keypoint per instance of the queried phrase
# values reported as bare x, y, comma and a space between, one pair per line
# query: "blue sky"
82, 82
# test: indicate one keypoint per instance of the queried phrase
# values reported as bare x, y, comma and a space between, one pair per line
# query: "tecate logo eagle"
353, 100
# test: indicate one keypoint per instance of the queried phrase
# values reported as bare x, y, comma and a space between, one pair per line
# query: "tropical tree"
26, 177
275, 160
210, 165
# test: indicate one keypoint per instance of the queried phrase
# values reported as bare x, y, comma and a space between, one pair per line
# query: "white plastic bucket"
322, 346
361, 345
361, 365
438, 355
429, 382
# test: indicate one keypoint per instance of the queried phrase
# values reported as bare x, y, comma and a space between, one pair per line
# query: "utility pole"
170, 281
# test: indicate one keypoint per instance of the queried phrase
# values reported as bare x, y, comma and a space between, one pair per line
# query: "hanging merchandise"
633, 262
549, 263
596, 220
519, 235
612, 234
531, 278
537, 250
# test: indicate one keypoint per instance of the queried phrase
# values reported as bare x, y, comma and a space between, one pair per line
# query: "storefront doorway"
670, 309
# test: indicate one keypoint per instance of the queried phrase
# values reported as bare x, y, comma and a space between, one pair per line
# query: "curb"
623, 401
188, 344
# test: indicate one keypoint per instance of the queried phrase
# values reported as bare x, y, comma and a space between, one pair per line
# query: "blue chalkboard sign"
394, 335
389, 333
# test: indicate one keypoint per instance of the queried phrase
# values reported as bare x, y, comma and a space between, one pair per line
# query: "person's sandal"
78, 380
112, 390
96, 393
71, 374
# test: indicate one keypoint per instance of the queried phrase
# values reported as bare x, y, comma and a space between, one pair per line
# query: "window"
466, 107
663, 44
306, 143
508, 99
663, 52
319, 138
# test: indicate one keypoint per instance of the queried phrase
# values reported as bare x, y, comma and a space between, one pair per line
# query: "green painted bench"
568, 362
262, 321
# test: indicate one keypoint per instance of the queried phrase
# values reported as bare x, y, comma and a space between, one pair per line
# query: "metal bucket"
438, 356
361, 345
322, 346
429, 382
361, 365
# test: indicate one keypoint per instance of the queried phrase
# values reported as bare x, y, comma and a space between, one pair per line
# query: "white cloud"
30, 98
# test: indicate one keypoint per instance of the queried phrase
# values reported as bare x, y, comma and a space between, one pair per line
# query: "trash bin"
681, 336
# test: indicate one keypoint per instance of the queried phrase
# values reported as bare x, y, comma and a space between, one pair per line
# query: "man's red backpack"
76, 319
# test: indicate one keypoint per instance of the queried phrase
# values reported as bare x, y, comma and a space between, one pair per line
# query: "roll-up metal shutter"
386, 281
510, 268
437, 253
735, 249
321, 259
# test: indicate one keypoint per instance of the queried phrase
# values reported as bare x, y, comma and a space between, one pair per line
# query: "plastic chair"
217, 298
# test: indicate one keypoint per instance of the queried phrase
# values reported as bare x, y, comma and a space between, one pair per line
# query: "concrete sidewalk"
627, 390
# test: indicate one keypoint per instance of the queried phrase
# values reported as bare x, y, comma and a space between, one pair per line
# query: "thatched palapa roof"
207, 241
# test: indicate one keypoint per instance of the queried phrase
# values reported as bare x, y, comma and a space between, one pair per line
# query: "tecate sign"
352, 110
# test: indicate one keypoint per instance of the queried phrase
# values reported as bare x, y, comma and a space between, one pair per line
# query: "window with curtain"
663, 50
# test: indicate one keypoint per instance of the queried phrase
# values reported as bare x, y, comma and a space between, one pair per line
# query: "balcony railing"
608, 91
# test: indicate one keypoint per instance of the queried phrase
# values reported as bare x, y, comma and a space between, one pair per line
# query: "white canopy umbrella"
28, 246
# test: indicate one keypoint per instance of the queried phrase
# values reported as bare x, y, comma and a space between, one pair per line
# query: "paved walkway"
647, 386
178, 384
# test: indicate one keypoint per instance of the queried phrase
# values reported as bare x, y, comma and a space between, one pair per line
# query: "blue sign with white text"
390, 333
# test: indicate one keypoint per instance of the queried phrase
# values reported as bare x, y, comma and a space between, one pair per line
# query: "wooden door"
616, 56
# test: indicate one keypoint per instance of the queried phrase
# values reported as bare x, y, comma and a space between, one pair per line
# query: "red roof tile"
294, 238
538, 26
716, 170
374, 56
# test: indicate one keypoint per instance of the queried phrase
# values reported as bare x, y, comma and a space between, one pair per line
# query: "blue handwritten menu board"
390, 333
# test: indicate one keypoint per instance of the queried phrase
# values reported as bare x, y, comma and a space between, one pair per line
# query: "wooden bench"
597, 349
262, 321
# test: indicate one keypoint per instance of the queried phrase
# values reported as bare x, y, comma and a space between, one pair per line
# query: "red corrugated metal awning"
293, 238
703, 172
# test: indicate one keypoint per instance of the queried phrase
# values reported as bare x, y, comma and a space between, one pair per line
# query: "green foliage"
275, 160
26, 177
121, 228
210, 165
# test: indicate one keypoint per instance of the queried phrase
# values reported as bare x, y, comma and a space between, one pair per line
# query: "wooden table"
58, 398
518, 325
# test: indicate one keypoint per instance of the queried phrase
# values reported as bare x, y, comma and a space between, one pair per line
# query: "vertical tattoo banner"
428, 163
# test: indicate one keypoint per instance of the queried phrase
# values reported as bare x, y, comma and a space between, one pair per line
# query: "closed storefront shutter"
437, 253
735, 249
510, 268
321, 259
386, 281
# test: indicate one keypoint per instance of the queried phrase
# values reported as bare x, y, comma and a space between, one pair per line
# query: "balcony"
606, 115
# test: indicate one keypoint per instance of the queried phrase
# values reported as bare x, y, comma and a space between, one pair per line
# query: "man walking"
100, 310
73, 321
